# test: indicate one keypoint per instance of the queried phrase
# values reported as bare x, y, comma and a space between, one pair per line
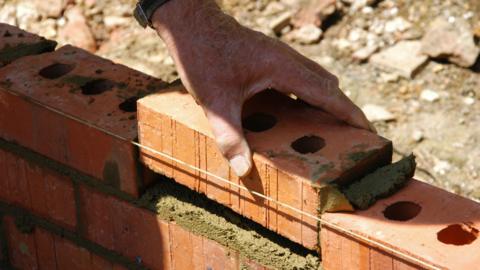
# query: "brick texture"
16, 43
393, 223
42, 191
45, 251
325, 151
78, 109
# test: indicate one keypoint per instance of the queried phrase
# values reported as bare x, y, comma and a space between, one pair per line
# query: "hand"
222, 64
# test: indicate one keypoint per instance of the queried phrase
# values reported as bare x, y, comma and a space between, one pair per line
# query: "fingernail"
372, 127
240, 165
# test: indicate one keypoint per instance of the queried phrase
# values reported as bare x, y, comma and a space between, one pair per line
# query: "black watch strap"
144, 11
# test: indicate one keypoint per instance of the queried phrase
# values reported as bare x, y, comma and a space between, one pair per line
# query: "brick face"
280, 171
61, 107
42, 191
45, 251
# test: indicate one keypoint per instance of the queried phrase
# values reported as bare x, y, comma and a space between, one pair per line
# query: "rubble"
306, 34
76, 31
314, 12
451, 39
403, 58
376, 113
429, 95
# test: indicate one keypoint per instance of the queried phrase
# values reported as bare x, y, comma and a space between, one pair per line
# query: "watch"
144, 11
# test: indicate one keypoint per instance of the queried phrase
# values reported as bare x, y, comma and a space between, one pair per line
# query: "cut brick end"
434, 228
297, 150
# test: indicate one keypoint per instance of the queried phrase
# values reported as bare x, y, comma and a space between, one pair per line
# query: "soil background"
435, 114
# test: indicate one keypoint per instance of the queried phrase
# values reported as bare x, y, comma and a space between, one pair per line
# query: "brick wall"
73, 194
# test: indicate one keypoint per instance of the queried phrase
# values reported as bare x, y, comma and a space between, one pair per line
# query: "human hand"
222, 64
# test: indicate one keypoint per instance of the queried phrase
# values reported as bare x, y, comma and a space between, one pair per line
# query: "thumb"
225, 122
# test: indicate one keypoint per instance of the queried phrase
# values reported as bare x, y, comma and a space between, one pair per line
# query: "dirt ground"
435, 114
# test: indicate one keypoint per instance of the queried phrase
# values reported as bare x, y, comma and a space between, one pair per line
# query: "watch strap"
144, 11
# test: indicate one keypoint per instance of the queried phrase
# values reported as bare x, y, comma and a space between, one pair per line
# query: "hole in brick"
97, 87
308, 144
129, 105
458, 234
402, 211
7, 34
259, 122
56, 70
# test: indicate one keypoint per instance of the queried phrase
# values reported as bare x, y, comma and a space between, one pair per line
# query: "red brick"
279, 172
16, 43
43, 191
72, 113
218, 257
413, 243
131, 231
45, 251
45, 244
181, 248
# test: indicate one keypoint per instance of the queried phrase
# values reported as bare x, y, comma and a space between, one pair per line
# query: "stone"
397, 24
51, 8
429, 95
452, 40
307, 34
364, 53
280, 22
376, 113
403, 58
314, 12
76, 31
417, 135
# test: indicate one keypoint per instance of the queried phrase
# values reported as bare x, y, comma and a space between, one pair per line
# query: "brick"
43, 250
218, 257
78, 109
280, 171
16, 43
409, 222
135, 233
42, 191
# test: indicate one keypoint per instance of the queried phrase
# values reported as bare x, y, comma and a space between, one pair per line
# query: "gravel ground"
435, 114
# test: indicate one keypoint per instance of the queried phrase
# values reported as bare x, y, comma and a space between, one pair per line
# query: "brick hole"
56, 71
129, 105
402, 211
97, 87
457, 234
308, 144
259, 122
7, 34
